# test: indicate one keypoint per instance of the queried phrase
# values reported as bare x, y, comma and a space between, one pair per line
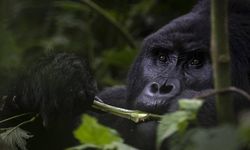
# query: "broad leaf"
91, 132
190, 104
177, 121
15, 138
171, 123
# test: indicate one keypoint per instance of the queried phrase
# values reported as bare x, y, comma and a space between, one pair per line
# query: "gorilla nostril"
154, 88
166, 89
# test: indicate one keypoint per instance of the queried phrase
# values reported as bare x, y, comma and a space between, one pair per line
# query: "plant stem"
23, 123
227, 90
134, 115
221, 59
14, 117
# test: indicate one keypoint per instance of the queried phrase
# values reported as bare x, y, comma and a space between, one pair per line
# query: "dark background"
29, 28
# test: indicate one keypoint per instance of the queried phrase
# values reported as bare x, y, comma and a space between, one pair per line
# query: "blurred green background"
106, 32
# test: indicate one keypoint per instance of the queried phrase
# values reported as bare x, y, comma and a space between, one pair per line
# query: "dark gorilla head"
175, 61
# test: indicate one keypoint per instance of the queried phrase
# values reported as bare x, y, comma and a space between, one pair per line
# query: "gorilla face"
174, 63
170, 75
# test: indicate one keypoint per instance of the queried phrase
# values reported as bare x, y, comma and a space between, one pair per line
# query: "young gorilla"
174, 63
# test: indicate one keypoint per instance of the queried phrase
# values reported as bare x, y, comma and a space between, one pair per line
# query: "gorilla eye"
160, 55
196, 60
162, 58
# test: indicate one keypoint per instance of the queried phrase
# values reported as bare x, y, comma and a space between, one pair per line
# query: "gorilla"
173, 63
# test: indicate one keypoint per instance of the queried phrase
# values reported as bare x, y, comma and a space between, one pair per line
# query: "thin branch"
23, 123
14, 117
134, 115
230, 89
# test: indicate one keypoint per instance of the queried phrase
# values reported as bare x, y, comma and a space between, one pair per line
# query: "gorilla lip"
153, 105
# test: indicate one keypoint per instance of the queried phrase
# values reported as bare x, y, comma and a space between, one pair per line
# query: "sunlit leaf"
190, 104
171, 123
177, 121
91, 132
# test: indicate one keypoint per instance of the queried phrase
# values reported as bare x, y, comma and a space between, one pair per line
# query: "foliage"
244, 129
222, 137
90, 130
173, 129
31, 28
94, 135
177, 121
15, 138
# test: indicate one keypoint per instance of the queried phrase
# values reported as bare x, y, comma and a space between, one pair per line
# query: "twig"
134, 115
25, 122
230, 89
14, 117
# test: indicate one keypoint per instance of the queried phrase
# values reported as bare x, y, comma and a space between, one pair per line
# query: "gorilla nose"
155, 89
165, 89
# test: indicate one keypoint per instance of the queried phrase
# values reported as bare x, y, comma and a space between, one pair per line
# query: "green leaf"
91, 132
15, 138
244, 128
177, 121
171, 123
219, 138
190, 104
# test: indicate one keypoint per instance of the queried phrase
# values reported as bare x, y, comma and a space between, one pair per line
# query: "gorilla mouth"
154, 105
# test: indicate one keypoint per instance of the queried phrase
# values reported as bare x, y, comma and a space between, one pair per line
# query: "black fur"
174, 63
58, 87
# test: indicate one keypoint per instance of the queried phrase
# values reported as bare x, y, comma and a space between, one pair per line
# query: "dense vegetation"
108, 35
29, 28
